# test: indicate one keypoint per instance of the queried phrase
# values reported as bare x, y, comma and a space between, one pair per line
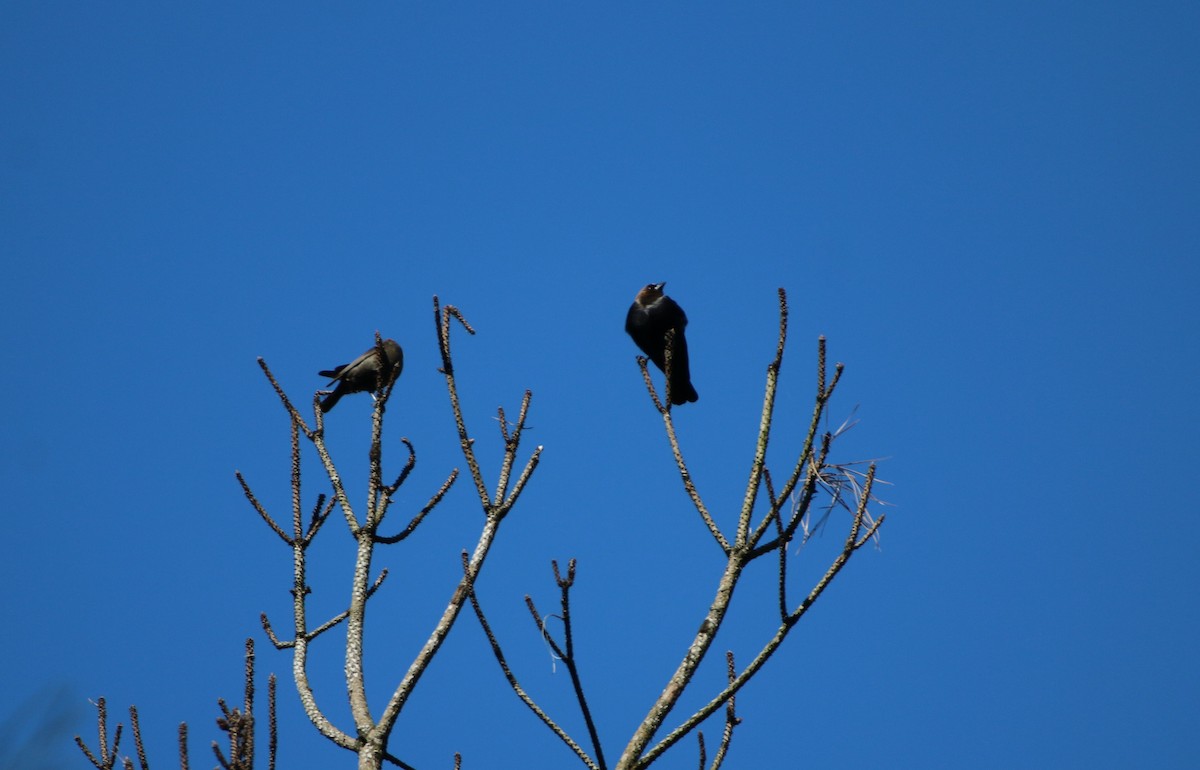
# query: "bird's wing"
346, 370
673, 306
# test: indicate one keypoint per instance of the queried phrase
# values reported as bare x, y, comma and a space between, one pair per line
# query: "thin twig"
273, 726
261, 511
516, 686
441, 319
564, 585
136, 727
416, 520
684, 474
511, 442
107, 759
803, 461
764, 428
732, 720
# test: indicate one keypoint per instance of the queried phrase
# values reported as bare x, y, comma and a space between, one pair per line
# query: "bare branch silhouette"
520, 691
774, 517
686, 476
108, 756
811, 474
369, 736
238, 724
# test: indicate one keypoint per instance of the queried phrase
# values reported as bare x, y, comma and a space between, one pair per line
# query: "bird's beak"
660, 286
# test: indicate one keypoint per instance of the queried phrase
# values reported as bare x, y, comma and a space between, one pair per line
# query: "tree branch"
516, 686
684, 474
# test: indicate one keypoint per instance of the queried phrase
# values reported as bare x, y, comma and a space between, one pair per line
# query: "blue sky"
989, 210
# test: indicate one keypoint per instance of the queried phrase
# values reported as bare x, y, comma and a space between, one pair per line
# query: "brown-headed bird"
362, 374
650, 316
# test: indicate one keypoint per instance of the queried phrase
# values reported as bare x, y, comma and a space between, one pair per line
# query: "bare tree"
769, 524
762, 531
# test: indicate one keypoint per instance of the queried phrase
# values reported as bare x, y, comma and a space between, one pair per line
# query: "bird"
650, 316
362, 374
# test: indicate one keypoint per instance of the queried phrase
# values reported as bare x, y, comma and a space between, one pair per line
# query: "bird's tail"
330, 401
683, 393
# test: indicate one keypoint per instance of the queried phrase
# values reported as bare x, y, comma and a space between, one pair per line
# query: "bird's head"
650, 293
393, 352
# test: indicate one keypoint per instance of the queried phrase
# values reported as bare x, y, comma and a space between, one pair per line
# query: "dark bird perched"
362, 374
650, 316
